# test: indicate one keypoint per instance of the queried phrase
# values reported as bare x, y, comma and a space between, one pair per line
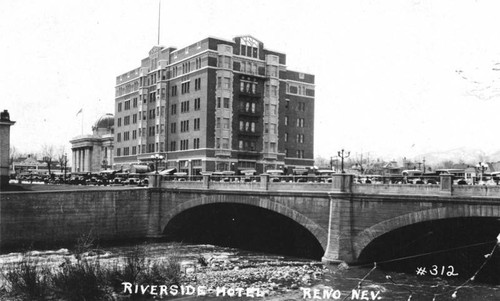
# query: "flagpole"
82, 122
159, 14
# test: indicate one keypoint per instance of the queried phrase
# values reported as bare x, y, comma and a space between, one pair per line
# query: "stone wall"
62, 216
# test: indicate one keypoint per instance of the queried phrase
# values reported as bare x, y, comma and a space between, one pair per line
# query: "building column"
86, 166
79, 169
73, 160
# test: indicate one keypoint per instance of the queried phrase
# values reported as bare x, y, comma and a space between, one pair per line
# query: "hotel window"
127, 105
225, 143
274, 91
134, 103
162, 128
266, 109
286, 120
134, 150
174, 91
287, 103
226, 123
272, 71
134, 134
144, 115
242, 87
253, 127
118, 137
134, 118
197, 104
185, 106
227, 83
173, 128
217, 142
218, 102
253, 107
272, 147
219, 82
242, 125
226, 103
162, 111
240, 144
126, 120
118, 152
217, 122
300, 122
274, 110
197, 124
173, 109
126, 151
274, 129
119, 122
119, 107
173, 146
266, 128
185, 88
286, 137
184, 126
196, 143
162, 146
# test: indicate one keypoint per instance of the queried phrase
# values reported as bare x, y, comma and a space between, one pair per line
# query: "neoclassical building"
93, 153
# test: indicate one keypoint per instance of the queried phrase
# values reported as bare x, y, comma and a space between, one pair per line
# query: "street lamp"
482, 166
343, 156
157, 158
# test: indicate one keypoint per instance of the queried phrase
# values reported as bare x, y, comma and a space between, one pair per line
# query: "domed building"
93, 153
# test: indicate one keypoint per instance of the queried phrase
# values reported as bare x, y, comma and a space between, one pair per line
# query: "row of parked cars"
97, 179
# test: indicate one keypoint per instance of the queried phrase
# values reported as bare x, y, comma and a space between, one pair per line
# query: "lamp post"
157, 158
342, 157
482, 166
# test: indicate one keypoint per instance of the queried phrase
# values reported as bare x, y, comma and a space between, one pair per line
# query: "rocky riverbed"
270, 277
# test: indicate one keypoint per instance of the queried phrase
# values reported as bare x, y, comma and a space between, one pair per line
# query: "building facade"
215, 105
94, 153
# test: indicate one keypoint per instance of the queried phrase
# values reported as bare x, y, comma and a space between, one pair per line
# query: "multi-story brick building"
215, 105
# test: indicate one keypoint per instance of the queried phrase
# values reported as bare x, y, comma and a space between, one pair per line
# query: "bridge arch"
365, 237
315, 229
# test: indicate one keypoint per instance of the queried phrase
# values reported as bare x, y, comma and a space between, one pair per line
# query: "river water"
275, 277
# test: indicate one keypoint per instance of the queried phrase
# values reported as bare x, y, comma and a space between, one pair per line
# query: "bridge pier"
339, 247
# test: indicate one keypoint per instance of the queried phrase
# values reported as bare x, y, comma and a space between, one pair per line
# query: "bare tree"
48, 155
62, 159
13, 155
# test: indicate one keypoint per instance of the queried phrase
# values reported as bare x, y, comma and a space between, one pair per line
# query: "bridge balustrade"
341, 183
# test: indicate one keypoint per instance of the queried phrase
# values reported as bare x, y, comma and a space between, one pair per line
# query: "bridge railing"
342, 183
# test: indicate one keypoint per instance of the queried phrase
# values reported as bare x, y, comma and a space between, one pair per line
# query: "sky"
393, 78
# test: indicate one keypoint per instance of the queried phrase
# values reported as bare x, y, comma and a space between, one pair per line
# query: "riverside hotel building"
215, 105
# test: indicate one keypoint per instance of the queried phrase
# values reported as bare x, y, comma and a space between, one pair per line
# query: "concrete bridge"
344, 217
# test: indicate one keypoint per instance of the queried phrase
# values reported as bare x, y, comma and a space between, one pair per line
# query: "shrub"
27, 280
83, 280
